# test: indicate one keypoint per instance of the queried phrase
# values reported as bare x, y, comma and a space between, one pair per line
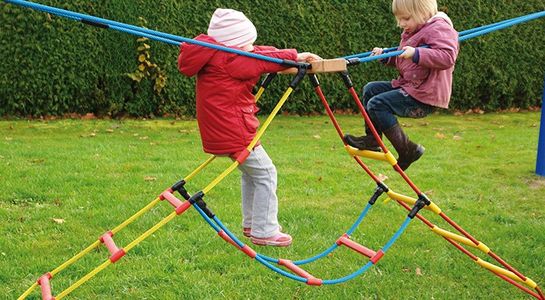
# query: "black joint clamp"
314, 80
265, 83
193, 199
202, 206
378, 192
420, 203
301, 72
346, 79
352, 61
96, 24
179, 187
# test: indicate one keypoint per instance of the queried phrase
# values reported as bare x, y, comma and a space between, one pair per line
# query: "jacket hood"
441, 15
193, 57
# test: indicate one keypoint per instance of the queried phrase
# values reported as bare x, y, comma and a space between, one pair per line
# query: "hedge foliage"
55, 66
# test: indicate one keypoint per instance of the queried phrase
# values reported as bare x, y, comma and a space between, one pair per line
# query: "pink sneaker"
246, 231
278, 240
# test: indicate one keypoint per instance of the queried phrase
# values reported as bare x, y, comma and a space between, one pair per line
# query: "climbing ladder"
285, 267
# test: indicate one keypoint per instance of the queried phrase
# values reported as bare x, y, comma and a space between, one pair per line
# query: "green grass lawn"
66, 182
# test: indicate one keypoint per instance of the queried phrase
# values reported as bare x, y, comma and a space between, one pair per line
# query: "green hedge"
55, 66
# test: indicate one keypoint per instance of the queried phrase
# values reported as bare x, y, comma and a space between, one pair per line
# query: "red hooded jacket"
226, 109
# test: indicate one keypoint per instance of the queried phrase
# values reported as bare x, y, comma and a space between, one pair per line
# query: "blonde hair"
420, 10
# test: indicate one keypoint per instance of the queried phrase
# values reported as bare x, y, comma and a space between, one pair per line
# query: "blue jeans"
383, 102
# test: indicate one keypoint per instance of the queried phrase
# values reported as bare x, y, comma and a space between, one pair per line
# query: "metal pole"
540, 163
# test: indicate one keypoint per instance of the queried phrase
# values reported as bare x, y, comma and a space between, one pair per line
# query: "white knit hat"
231, 28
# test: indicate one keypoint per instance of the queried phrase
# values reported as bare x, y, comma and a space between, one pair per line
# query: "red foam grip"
314, 281
162, 197
355, 246
183, 207
45, 286
242, 156
118, 255
249, 251
377, 257
109, 233
175, 202
228, 239
311, 280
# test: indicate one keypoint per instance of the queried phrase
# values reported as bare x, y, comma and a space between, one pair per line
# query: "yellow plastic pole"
83, 279
136, 215
27, 292
150, 231
75, 258
460, 239
199, 169
261, 131
529, 282
254, 141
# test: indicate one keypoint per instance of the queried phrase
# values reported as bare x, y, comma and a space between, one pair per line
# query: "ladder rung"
115, 252
311, 280
179, 206
345, 240
43, 281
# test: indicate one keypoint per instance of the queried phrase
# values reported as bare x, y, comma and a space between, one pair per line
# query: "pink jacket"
430, 79
226, 109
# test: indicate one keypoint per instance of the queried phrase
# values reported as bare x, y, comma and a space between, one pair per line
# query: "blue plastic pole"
540, 163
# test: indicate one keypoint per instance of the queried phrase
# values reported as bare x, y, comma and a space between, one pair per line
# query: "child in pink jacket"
424, 82
226, 113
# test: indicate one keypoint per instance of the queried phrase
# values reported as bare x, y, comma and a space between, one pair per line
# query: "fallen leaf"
418, 272
109, 130
150, 178
382, 177
58, 221
317, 136
456, 137
439, 135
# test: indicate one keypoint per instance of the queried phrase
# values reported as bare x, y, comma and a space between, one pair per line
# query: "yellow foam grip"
387, 157
411, 201
529, 282
460, 239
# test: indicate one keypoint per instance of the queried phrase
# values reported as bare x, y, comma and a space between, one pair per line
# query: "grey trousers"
259, 200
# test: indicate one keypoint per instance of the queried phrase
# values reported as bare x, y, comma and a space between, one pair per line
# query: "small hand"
408, 53
377, 51
307, 57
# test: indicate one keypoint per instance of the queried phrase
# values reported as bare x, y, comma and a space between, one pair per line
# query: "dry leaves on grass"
58, 221
150, 178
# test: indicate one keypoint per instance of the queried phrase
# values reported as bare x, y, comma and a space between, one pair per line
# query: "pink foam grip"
175, 202
226, 237
311, 280
180, 209
117, 255
169, 190
242, 156
345, 240
249, 251
46, 286
377, 257
107, 240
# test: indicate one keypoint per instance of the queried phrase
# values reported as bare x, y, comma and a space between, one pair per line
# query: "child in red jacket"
226, 113
424, 82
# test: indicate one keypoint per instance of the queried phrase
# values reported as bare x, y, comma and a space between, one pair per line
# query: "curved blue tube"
468, 34
139, 31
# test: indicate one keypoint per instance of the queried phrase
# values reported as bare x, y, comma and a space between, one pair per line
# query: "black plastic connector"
301, 72
346, 79
353, 61
267, 80
314, 80
420, 203
381, 188
180, 188
206, 210
96, 24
